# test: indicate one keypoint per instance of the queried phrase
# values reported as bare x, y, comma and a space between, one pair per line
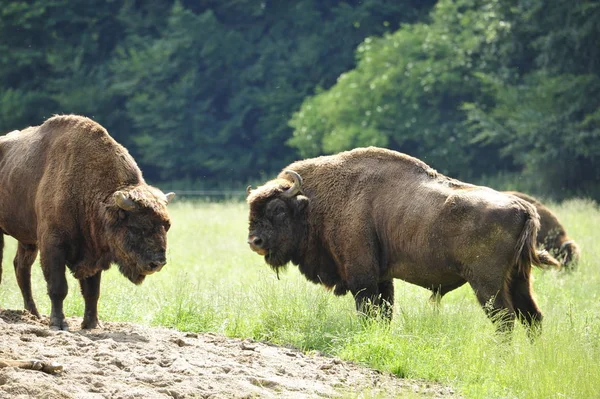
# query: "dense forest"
219, 93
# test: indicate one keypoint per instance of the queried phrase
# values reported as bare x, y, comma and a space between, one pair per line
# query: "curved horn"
297, 187
170, 196
123, 202
248, 189
565, 244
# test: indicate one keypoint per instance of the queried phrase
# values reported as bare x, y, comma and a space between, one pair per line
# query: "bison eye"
280, 216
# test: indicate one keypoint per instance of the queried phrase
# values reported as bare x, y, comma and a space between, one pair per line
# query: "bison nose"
156, 265
255, 242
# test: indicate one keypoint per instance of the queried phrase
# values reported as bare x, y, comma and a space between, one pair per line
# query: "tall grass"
213, 282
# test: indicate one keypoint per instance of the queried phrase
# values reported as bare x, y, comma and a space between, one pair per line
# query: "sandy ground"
124, 360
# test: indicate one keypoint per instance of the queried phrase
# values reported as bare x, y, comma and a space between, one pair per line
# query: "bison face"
137, 231
277, 221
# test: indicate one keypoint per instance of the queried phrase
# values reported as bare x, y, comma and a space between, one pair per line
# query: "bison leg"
525, 306
90, 289
490, 293
441, 290
53, 265
1, 252
386, 293
23, 260
370, 301
365, 300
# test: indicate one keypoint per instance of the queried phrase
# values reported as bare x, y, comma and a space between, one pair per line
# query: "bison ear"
300, 203
170, 197
123, 202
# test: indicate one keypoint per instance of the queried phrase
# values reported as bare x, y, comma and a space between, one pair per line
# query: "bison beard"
359, 219
70, 191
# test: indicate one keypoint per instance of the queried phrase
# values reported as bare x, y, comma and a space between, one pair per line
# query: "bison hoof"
34, 311
58, 325
90, 324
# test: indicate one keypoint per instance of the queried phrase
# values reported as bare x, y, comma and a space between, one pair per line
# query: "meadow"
213, 282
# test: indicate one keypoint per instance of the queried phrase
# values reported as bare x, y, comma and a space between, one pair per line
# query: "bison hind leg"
525, 305
493, 298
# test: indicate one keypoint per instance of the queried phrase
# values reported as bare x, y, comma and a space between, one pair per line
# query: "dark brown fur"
367, 216
59, 189
552, 236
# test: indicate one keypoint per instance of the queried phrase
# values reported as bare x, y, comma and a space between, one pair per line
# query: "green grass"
213, 282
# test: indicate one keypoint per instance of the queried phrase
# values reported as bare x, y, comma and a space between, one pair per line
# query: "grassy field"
213, 282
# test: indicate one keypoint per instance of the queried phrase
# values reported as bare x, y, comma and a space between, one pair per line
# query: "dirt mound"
124, 360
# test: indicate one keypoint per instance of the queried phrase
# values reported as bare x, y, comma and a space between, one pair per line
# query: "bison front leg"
1, 252
386, 295
373, 299
90, 289
24, 258
53, 261
365, 298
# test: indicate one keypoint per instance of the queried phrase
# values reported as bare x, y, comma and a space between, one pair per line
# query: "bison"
69, 190
359, 219
552, 235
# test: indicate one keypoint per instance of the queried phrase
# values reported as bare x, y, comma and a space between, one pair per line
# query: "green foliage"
213, 91
549, 125
194, 90
405, 90
213, 282
483, 87
548, 119
231, 91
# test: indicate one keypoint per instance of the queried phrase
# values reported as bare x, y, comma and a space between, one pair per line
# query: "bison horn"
123, 202
297, 187
248, 189
170, 196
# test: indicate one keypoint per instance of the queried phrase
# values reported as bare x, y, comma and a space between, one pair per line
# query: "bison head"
136, 230
277, 219
569, 254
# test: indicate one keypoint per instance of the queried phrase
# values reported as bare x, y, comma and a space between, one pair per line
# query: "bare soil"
123, 360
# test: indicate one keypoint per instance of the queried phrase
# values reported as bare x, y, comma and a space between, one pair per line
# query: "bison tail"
546, 261
527, 253
570, 253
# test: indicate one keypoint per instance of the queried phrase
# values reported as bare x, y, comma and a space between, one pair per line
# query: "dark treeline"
218, 93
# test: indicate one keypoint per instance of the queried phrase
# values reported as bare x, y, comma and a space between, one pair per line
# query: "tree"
483, 87
210, 94
547, 117
406, 91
